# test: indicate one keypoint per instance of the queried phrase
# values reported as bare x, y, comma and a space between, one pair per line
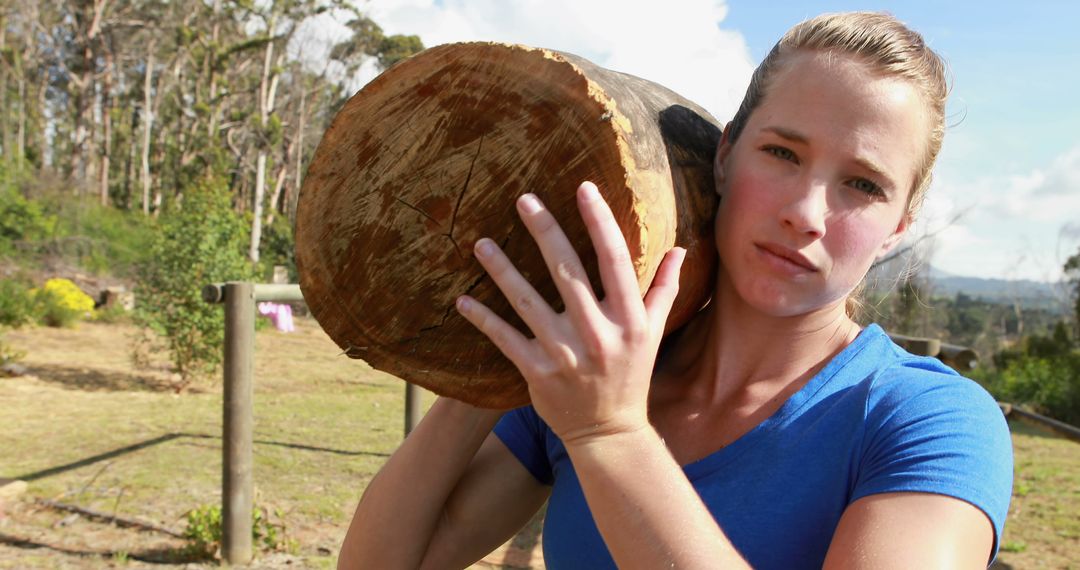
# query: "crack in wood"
415, 209
461, 196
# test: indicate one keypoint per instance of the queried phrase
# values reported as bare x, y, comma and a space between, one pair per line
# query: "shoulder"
912, 386
929, 429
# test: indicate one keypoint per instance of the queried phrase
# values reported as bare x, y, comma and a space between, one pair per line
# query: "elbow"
345, 560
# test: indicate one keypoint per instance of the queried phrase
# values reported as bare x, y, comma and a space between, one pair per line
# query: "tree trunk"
298, 174
106, 120
6, 138
276, 195
430, 156
267, 89
148, 124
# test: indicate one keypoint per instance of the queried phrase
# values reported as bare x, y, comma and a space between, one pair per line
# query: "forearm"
400, 508
645, 508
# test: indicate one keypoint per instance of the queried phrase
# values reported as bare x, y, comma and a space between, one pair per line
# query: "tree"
202, 243
1072, 273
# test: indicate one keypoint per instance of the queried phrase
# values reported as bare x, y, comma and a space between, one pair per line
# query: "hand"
588, 368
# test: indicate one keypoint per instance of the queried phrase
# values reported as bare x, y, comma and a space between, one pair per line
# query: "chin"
786, 302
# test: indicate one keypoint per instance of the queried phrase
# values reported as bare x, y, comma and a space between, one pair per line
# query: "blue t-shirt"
875, 420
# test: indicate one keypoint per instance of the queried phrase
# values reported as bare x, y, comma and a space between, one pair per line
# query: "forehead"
846, 105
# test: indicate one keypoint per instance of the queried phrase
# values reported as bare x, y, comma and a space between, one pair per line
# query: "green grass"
1043, 528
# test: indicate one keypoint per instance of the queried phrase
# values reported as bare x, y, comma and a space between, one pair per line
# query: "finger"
506, 338
621, 289
527, 303
664, 289
561, 259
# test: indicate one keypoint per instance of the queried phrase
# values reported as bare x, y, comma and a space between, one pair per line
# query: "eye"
866, 187
782, 153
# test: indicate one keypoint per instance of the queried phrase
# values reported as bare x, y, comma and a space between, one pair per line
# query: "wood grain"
431, 155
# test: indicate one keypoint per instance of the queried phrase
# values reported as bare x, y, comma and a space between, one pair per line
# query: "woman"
773, 431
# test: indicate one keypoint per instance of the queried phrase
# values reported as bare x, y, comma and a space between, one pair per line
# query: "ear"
894, 239
722, 151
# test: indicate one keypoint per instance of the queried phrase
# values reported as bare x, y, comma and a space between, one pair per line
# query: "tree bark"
298, 174
267, 89
148, 123
106, 121
431, 155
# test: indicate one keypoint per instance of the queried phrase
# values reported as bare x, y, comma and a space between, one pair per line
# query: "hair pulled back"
883, 43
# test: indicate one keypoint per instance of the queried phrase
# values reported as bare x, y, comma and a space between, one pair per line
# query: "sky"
1010, 163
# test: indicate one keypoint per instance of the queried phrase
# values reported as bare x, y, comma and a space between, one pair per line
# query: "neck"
732, 352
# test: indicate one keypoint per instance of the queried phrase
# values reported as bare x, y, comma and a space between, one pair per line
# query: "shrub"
21, 220
203, 242
1050, 385
112, 314
278, 248
204, 532
16, 304
101, 239
60, 303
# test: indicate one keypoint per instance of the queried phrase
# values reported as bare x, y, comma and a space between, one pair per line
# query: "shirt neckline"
732, 451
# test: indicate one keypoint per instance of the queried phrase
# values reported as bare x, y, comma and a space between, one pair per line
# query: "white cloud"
678, 44
1022, 226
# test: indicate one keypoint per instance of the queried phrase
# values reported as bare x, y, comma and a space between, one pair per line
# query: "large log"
431, 155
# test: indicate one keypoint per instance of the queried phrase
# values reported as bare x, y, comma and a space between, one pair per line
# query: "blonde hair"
887, 46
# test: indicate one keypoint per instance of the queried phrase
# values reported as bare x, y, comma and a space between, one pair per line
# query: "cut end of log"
428, 158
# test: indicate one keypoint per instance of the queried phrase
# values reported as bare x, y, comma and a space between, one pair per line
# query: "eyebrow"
863, 162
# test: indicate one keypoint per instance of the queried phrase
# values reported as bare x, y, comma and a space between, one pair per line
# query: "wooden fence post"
237, 491
237, 487
412, 407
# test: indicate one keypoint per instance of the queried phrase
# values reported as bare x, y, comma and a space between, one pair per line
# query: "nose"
804, 211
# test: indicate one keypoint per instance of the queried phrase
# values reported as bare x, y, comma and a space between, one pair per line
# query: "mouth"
788, 256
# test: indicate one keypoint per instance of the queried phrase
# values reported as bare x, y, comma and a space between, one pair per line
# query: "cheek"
855, 243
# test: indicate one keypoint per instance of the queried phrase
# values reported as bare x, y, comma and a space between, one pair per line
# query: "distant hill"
1032, 294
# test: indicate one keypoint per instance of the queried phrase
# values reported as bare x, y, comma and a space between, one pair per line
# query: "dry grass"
88, 428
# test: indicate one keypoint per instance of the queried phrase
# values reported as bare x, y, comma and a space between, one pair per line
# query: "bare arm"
911, 530
449, 495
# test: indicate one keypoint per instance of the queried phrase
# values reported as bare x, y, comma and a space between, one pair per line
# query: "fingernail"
464, 303
589, 191
529, 203
484, 247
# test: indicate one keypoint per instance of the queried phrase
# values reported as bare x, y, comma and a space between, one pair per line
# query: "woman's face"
816, 186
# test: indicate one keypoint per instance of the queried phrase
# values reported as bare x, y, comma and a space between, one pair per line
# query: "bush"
112, 314
16, 304
278, 248
60, 303
21, 220
101, 239
204, 530
203, 242
1049, 385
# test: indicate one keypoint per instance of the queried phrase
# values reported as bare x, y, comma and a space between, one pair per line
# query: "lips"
785, 255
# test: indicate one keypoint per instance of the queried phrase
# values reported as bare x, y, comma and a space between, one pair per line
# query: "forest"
161, 145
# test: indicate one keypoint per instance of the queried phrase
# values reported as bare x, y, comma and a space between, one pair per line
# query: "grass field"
88, 428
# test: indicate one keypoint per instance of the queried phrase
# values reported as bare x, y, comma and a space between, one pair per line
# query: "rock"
13, 369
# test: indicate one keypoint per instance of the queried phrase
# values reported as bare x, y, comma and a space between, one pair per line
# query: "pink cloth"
280, 315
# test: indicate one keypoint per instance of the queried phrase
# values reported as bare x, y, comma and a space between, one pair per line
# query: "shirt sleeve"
930, 430
525, 435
